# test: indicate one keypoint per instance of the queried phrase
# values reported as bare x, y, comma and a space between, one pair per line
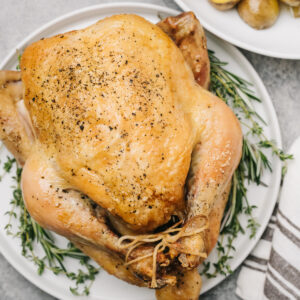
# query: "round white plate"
282, 40
106, 286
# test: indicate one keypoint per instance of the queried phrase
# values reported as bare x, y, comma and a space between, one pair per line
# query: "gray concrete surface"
19, 18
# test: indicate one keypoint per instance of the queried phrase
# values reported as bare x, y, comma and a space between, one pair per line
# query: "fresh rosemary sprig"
237, 93
32, 234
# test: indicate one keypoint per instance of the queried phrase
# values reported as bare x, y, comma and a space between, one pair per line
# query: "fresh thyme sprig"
7, 166
32, 234
237, 93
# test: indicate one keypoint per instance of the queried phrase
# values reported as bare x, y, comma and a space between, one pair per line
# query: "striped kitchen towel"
272, 270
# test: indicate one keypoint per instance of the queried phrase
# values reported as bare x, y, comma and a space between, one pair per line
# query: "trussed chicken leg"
187, 287
215, 157
71, 214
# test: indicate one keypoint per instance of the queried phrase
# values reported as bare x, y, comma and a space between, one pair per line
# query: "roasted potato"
295, 10
224, 4
259, 14
291, 2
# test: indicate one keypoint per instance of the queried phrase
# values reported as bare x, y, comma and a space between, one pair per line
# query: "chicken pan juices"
127, 154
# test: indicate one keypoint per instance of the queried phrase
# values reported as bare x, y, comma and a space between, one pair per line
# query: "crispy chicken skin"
122, 136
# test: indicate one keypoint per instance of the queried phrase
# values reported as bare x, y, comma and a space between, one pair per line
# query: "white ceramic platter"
106, 286
282, 40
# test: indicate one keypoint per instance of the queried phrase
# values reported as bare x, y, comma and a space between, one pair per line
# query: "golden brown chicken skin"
125, 142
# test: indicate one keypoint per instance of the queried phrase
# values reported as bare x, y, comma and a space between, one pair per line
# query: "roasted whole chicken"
124, 151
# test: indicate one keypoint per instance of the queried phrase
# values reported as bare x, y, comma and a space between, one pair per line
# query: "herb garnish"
32, 234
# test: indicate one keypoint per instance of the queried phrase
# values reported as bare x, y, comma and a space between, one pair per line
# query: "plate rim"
231, 49
236, 42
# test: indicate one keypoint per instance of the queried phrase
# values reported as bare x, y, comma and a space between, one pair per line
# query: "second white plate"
282, 40
108, 287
